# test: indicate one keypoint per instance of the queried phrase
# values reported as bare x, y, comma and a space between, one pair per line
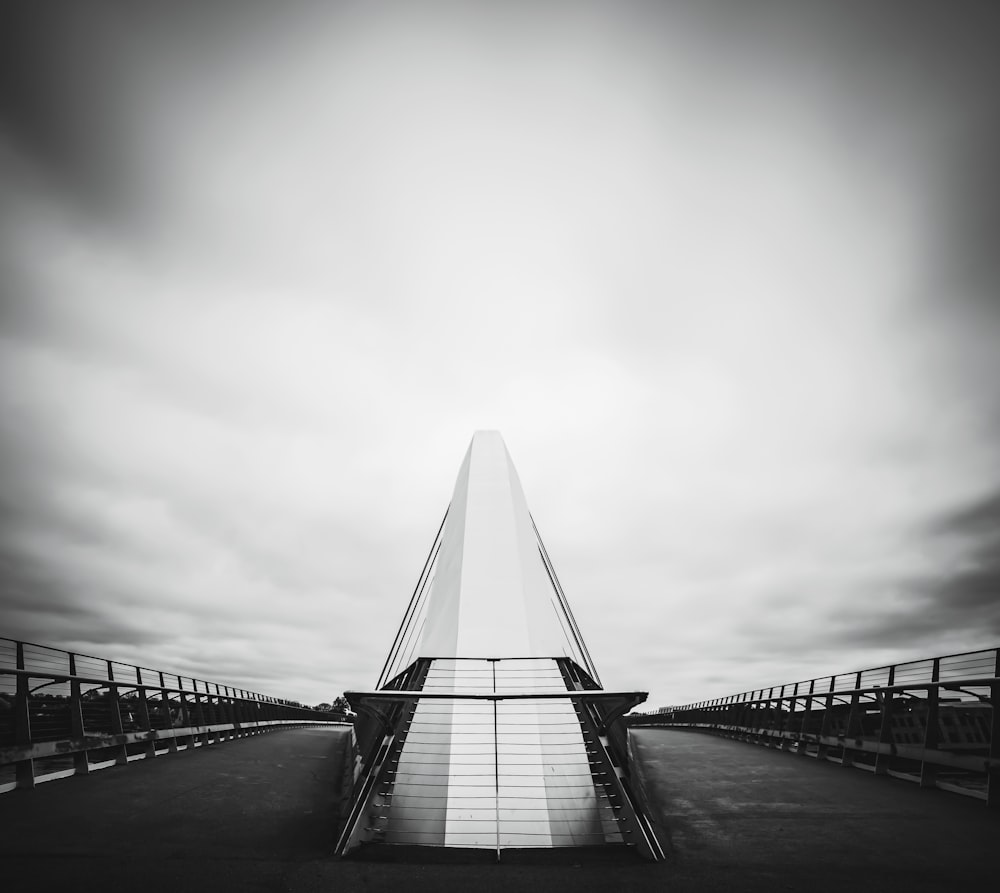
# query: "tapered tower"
489, 727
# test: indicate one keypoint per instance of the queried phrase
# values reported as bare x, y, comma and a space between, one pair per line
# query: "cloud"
718, 276
968, 588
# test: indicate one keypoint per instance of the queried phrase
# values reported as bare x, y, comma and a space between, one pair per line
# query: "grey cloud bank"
718, 272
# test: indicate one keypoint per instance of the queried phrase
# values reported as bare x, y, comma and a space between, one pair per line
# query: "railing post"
228, 711
804, 725
932, 733
247, 712
824, 726
744, 717
115, 711
209, 714
239, 717
852, 732
202, 715
993, 772
221, 715
253, 710
225, 716
212, 714
185, 713
144, 721
24, 770
771, 722
758, 717
238, 724
165, 701
81, 761
885, 737
786, 721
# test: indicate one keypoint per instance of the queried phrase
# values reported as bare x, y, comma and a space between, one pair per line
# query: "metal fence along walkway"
68, 714
931, 721
261, 815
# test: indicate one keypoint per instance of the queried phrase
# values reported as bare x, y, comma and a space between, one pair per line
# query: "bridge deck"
261, 814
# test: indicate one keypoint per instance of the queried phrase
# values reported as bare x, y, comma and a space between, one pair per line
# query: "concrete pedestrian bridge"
489, 755
262, 814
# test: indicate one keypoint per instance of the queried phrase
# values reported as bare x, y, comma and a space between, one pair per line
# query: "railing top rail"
127, 685
116, 664
948, 685
84, 654
134, 678
831, 684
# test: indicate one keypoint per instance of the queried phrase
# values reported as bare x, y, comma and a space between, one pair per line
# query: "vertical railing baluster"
993, 770
743, 722
208, 711
789, 736
804, 725
144, 721
81, 761
824, 727
769, 731
185, 713
885, 737
120, 750
932, 732
246, 713
219, 712
238, 718
165, 702
24, 770
200, 702
225, 714
852, 732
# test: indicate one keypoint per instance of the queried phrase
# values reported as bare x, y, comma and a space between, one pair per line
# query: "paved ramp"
725, 808
260, 814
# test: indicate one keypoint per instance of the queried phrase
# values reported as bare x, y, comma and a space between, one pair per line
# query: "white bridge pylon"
489, 728
490, 589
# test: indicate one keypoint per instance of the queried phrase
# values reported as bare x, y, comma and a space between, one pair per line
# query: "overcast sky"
724, 275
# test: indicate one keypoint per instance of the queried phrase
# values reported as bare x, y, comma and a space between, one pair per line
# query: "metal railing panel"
970, 664
933, 721
94, 667
878, 676
915, 672
63, 713
45, 659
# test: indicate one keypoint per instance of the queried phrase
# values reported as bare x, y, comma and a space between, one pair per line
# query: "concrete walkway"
743, 817
260, 814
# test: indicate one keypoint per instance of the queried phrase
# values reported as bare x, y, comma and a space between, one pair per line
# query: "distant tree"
341, 705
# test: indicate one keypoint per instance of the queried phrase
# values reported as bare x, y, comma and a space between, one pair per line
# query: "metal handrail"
843, 693
898, 727
634, 697
129, 710
989, 655
71, 655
